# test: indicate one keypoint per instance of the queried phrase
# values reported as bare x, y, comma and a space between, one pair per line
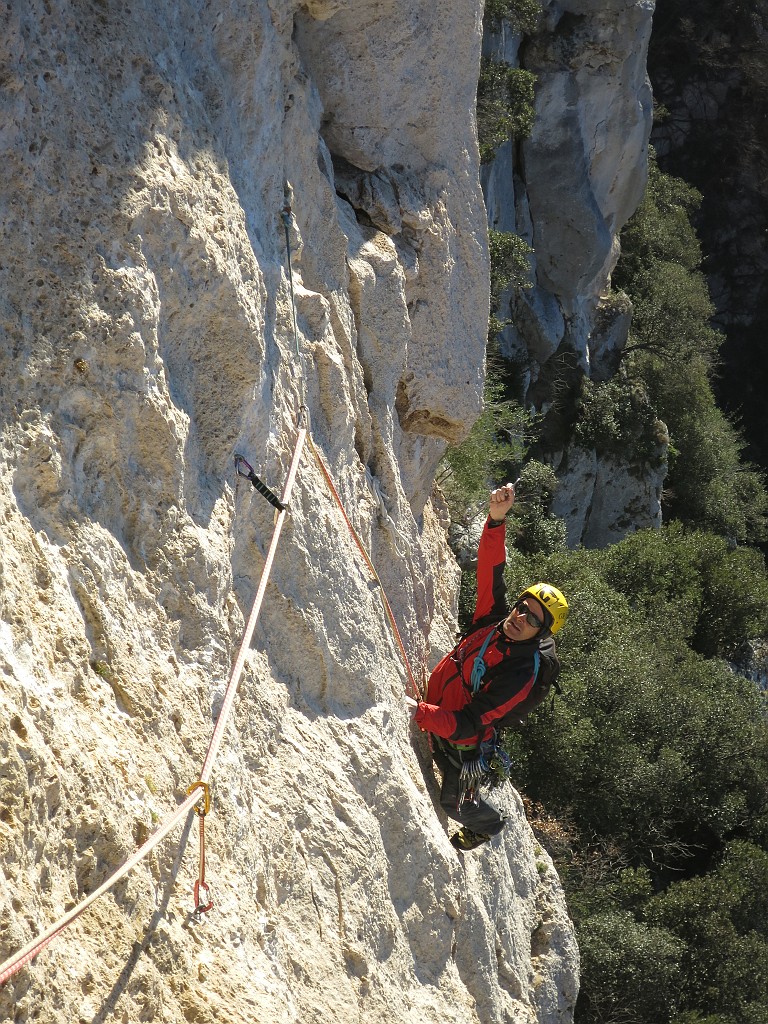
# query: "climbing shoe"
466, 839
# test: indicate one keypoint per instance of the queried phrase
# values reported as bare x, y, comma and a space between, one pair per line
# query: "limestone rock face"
585, 160
602, 498
146, 335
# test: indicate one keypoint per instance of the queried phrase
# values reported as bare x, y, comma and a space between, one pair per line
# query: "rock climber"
497, 673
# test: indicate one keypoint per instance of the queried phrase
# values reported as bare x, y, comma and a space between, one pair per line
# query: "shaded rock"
585, 162
602, 499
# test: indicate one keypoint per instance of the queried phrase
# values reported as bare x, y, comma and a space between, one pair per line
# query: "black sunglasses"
530, 618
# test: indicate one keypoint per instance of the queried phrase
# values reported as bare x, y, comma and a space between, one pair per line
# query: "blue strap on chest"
479, 667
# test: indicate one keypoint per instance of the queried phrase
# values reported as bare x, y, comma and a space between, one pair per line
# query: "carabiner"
206, 797
202, 908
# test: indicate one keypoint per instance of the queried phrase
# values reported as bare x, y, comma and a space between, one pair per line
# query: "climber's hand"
413, 707
501, 501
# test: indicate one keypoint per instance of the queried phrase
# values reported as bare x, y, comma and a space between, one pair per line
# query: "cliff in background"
568, 190
147, 336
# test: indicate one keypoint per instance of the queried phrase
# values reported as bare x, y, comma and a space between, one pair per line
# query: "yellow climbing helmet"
552, 601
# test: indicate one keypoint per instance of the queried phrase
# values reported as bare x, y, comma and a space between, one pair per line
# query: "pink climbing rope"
237, 668
30, 951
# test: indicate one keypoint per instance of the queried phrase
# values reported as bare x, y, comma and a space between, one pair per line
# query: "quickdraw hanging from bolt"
244, 468
201, 884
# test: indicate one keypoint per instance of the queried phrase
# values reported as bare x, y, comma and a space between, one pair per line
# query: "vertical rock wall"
146, 335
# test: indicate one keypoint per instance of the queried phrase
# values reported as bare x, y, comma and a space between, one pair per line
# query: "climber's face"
524, 621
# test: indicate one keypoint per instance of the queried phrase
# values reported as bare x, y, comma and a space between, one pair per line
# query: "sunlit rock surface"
146, 336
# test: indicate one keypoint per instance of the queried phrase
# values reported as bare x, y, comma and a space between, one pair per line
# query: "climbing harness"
241, 464
492, 766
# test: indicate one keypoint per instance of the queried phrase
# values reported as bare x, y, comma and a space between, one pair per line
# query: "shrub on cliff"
616, 417
495, 442
510, 262
504, 105
532, 526
520, 15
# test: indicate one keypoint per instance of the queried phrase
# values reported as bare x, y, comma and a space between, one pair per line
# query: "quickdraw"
285, 215
491, 768
261, 487
201, 884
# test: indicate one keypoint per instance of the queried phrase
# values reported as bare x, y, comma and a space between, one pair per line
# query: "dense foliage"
648, 779
656, 756
709, 69
673, 353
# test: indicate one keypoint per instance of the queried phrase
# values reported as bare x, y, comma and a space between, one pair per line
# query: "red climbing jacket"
450, 709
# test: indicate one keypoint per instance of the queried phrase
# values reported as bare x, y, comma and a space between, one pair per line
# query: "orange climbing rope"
16, 962
414, 690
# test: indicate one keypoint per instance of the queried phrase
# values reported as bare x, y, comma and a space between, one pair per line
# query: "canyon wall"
146, 337
568, 189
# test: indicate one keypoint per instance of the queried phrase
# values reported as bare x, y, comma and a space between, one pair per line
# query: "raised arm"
492, 556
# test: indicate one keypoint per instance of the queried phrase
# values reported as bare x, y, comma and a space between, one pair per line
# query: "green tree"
673, 353
631, 972
722, 920
495, 440
505, 110
709, 66
661, 228
693, 584
708, 484
533, 525
520, 15
616, 417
